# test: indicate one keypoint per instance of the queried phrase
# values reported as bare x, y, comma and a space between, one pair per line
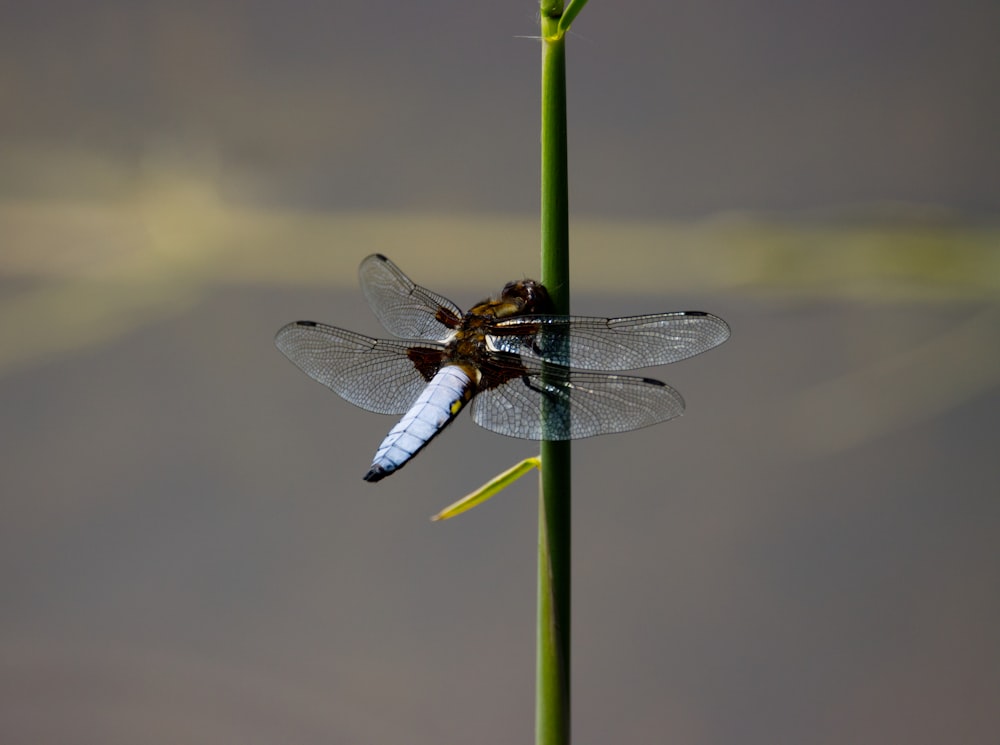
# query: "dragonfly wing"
609, 343
580, 404
405, 309
380, 375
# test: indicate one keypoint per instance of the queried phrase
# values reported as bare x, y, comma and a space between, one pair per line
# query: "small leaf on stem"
497, 484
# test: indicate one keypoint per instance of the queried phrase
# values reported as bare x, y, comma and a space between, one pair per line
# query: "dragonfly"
522, 370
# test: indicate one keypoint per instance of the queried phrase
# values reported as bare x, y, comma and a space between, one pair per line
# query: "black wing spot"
310, 324
654, 381
381, 256
695, 313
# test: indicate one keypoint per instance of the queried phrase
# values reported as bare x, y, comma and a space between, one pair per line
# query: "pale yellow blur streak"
86, 273
81, 273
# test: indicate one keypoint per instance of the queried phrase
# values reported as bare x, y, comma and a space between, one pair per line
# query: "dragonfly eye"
531, 295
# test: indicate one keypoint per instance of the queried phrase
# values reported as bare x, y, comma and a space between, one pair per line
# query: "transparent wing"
583, 404
609, 343
405, 309
376, 374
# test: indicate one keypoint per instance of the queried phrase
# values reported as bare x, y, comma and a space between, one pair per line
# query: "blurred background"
189, 553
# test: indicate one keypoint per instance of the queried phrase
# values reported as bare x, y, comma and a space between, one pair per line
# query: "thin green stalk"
552, 703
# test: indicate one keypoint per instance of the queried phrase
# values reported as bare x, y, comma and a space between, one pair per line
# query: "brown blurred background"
189, 553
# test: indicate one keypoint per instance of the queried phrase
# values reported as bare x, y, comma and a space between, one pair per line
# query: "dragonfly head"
528, 295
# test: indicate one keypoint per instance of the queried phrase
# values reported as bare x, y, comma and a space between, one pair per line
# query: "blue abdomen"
445, 395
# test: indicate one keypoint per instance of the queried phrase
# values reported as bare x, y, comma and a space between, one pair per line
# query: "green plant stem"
552, 702
552, 708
